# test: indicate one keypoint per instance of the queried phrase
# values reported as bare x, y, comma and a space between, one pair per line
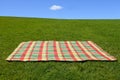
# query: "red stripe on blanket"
24, 53
31, 52
55, 51
40, 51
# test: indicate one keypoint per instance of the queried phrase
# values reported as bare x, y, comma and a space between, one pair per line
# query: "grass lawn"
106, 33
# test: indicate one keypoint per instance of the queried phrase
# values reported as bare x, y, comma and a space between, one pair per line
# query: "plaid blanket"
59, 51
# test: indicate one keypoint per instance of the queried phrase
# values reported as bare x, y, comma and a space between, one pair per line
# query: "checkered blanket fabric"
59, 51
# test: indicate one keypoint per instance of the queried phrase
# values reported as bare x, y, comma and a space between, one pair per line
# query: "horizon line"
64, 18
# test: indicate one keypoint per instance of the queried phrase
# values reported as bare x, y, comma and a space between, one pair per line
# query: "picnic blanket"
59, 51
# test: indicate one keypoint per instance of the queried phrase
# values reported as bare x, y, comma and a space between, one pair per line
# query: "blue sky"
70, 9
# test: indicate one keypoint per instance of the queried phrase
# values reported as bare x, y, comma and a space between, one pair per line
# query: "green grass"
106, 33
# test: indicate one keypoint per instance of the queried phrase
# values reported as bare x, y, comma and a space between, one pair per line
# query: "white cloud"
56, 7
